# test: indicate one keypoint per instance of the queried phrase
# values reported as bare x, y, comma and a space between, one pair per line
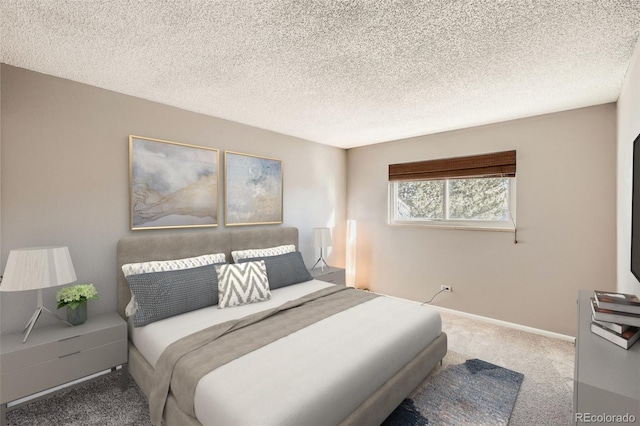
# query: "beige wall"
64, 175
1, 159
566, 204
628, 130
64, 180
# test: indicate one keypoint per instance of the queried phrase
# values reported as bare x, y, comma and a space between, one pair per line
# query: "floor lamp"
321, 240
35, 269
350, 270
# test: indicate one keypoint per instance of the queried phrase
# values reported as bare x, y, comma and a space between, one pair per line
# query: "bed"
347, 364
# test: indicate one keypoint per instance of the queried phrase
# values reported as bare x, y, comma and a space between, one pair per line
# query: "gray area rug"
100, 402
461, 392
473, 392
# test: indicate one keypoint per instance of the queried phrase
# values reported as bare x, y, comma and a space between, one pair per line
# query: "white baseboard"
508, 324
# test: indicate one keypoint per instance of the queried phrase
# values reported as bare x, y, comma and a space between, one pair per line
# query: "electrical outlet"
446, 288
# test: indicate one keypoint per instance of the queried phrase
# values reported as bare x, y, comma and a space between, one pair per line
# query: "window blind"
496, 164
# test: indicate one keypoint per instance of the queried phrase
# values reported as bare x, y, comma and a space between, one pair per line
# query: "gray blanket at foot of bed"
186, 361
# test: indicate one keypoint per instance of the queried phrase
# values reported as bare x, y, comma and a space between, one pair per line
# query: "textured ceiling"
343, 73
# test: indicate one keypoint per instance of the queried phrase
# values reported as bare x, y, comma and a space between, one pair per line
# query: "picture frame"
253, 189
172, 184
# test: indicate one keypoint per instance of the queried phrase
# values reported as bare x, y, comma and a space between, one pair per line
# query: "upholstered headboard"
145, 248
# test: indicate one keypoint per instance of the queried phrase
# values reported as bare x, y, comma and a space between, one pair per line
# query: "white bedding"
152, 339
295, 379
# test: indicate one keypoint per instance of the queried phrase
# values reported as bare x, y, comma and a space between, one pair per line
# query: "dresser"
58, 354
607, 377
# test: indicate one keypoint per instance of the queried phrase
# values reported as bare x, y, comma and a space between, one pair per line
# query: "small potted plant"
75, 299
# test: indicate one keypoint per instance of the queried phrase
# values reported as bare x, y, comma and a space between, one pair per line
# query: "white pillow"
172, 265
271, 251
166, 265
242, 283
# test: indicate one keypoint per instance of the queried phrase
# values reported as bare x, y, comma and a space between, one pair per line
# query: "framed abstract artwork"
253, 189
172, 185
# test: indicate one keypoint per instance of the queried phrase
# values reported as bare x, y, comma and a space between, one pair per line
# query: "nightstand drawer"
34, 378
28, 355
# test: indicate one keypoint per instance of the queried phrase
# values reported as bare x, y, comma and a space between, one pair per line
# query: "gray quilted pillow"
165, 294
284, 269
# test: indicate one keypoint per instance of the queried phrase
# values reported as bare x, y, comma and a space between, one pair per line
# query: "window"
455, 192
481, 203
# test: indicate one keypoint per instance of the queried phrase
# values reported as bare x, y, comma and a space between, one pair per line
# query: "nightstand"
329, 274
58, 354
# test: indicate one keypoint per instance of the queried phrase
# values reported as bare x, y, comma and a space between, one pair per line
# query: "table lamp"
34, 269
322, 240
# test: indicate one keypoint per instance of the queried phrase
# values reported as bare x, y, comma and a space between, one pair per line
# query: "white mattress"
317, 375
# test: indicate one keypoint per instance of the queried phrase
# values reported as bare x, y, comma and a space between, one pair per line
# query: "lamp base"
320, 259
36, 315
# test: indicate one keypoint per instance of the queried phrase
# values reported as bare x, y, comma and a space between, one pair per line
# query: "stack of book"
616, 317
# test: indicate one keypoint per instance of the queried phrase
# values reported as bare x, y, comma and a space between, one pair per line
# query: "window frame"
447, 223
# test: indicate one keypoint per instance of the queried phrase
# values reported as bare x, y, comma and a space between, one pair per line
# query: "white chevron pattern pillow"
242, 283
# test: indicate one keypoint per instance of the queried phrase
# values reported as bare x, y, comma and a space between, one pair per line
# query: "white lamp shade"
35, 268
321, 237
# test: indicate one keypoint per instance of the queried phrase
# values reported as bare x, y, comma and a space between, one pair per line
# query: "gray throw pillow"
165, 294
284, 269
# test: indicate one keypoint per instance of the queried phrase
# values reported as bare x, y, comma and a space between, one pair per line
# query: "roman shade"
496, 164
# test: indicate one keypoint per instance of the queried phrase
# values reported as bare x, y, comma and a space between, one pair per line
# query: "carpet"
99, 402
462, 391
472, 392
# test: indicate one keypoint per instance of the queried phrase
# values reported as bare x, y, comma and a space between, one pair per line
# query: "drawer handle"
72, 353
69, 338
